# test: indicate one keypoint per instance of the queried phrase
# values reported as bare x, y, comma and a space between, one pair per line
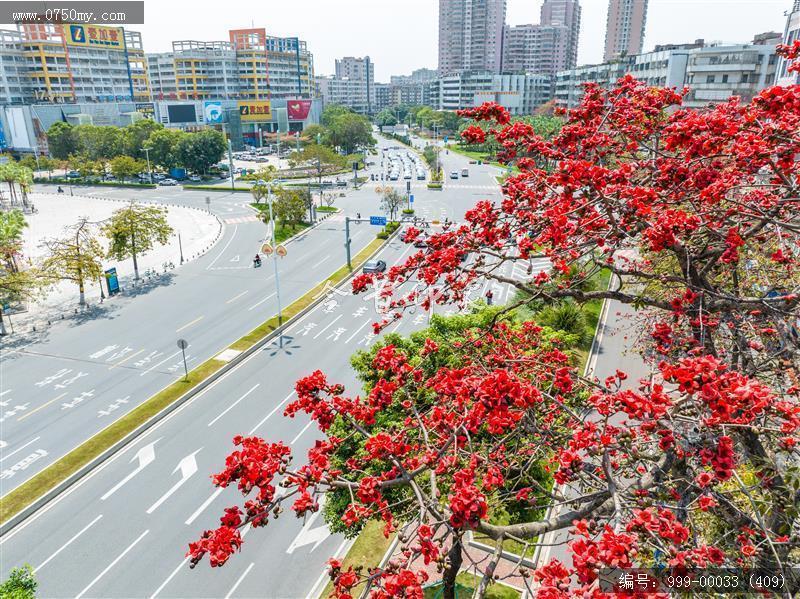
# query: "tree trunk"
2, 322
455, 560
133, 254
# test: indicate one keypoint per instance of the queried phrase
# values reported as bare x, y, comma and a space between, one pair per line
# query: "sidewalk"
198, 230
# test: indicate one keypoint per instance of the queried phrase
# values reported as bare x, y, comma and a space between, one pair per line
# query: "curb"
84, 470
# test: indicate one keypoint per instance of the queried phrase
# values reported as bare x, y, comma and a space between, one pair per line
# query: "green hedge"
74, 183
327, 209
408, 211
434, 185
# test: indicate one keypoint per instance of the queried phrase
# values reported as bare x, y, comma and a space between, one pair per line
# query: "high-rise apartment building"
353, 85
362, 69
564, 13
542, 49
625, 28
471, 35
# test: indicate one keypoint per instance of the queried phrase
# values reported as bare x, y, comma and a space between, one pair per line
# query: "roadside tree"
76, 257
163, 145
385, 118
62, 140
125, 167
134, 230
349, 132
391, 200
289, 207
200, 151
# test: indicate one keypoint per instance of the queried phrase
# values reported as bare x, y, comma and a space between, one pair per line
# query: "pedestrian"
489, 296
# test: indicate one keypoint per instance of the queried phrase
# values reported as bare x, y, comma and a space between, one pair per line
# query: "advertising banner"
213, 112
95, 36
298, 109
148, 109
255, 110
113, 281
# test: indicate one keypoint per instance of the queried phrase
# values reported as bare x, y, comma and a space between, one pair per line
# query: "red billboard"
297, 110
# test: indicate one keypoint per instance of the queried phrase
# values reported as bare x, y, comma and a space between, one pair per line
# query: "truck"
177, 173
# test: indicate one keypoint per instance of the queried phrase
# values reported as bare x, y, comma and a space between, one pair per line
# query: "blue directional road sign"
411, 198
377, 220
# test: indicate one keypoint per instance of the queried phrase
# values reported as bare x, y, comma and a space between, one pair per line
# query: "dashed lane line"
44, 405
188, 324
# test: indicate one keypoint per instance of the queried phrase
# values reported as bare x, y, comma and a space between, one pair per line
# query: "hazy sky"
401, 35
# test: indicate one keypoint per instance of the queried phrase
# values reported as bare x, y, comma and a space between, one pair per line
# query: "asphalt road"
112, 534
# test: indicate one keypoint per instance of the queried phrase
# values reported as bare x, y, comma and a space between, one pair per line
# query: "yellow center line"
123, 360
233, 299
187, 325
44, 405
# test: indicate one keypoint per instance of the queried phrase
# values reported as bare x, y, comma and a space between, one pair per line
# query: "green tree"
12, 225
134, 230
62, 140
16, 282
264, 177
87, 167
332, 112
101, 142
20, 584
391, 200
75, 257
125, 167
163, 145
199, 151
289, 207
16, 175
385, 118
136, 134
316, 134
350, 132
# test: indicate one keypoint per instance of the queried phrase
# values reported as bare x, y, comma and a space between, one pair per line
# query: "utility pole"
149, 172
180, 246
230, 162
347, 241
275, 265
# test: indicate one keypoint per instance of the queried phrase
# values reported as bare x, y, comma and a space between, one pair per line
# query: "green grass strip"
216, 188
367, 551
59, 471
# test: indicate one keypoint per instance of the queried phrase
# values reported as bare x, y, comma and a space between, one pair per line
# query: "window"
725, 79
744, 78
710, 79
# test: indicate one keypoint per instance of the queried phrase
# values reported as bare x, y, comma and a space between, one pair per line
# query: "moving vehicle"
374, 266
465, 172
73, 175
454, 175
421, 175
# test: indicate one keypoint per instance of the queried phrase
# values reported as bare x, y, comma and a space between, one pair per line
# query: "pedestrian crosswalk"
241, 219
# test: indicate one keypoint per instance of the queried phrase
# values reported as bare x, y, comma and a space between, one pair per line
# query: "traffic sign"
377, 220
266, 249
182, 344
280, 250
411, 198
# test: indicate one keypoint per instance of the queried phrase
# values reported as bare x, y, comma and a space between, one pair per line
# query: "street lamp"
149, 172
275, 264
180, 246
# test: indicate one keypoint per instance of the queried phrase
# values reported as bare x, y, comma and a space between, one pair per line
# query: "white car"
168, 182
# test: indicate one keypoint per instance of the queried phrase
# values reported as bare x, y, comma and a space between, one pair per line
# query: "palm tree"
12, 224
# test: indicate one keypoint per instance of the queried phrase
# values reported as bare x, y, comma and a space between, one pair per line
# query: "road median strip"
33, 494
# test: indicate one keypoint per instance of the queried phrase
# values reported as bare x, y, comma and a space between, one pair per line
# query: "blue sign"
445, 139
411, 198
377, 220
113, 281
213, 112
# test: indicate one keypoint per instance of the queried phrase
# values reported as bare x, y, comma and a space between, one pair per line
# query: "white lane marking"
111, 565
160, 363
403, 255
308, 535
238, 582
146, 455
67, 544
2, 393
357, 330
188, 324
397, 326
230, 407
188, 467
300, 434
20, 448
170, 577
275, 409
327, 326
200, 510
254, 306
321, 261
233, 299
235, 228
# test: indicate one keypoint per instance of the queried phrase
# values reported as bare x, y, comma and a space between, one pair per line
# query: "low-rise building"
790, 34
519, 93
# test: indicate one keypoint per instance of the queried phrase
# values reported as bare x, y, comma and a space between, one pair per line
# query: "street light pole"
275, 265
180, 246
149, 171
230, 163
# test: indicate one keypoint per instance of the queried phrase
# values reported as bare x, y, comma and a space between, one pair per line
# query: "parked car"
73, 175
473, 162
421, 175
168, 182
159, 176
465, 172
194, 178
373, 266
422, 242
341, 183
454, 175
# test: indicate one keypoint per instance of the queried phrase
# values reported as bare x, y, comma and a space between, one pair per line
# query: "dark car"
373, 266
421, 243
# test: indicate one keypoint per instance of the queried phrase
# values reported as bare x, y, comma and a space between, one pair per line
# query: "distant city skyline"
399, 41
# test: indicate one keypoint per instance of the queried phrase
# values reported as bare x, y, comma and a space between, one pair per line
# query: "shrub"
408, 211
565, 316
382, 235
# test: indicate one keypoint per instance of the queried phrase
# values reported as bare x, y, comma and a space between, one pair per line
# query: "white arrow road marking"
235, 258
308, 535
146, 455
187, 466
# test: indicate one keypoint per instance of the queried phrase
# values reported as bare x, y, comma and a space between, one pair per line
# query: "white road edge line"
321, 261
238, 582
170, 577
111, 565
154, 366
230, 407
275, 409
233, 299
270, 296
67, 544
327, 326
357, 331
8, 455
235, 228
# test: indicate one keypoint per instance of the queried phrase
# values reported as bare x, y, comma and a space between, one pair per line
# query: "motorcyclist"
358, 215
257, 260
60, 190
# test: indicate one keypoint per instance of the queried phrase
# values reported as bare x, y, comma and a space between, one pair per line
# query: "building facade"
790, 35
471, 35
564, 13
519, 93
712, 73
353, 85
536, 49
625, 26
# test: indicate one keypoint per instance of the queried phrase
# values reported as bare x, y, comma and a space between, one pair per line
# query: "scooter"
256, 263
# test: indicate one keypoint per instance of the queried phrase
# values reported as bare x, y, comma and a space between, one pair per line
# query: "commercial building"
625, 25
71, 63
353, 85
249, 65
790, 35
417, 76
713, 73
471, 35
519, 93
